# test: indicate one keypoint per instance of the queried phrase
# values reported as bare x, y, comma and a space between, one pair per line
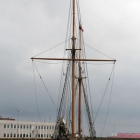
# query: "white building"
10, 128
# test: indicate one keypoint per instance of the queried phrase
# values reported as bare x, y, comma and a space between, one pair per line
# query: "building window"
11, 126
11, 135
4, 125
7, 135
47, 127
38, 127
14, 126
4, 135
17, 126
24, 126
21, 126
21, 135
47, 135
17, 135
30, 126
27, 135
14, 135
41, 127
38, 135
41, 135
7, 126
44, 127
27, 126
50, 127
30, 135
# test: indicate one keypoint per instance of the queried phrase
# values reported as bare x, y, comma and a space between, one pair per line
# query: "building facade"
10, 128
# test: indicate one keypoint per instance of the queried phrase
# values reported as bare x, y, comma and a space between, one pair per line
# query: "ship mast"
73, 70
73, 60
80, 84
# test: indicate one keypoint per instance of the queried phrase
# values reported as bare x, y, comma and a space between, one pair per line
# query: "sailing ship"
74, 105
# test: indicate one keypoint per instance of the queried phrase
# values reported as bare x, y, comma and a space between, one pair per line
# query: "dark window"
38, 127
27, 135
4, 125
21, 126
41, 127
24, 126
21, 135
27, 126
14, 126
17, 135
17, 126
11, 126
47, 135
38, 135
7, 126
44, 127
30, 135
4, 135
47, 127
50, 127
30, 126
7, 135
14, 135
41, 135
11, 135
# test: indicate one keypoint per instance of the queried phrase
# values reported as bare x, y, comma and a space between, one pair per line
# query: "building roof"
126, 135
11, 119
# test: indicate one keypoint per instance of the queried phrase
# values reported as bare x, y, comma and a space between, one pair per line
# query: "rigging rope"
108, 104
51, 48
36, 94
87, 83
62, 71
97, 51
104, 93
45, 86
85, 66
91, 124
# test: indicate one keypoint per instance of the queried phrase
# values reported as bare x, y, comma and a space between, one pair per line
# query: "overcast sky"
28, 27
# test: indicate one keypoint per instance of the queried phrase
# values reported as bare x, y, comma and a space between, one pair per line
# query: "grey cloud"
30, 27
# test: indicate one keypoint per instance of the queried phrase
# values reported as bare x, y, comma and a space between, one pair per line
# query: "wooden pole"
79, 80
69, 59
73, 73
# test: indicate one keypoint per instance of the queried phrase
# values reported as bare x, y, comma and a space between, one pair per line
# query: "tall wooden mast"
73, 71
80, 83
